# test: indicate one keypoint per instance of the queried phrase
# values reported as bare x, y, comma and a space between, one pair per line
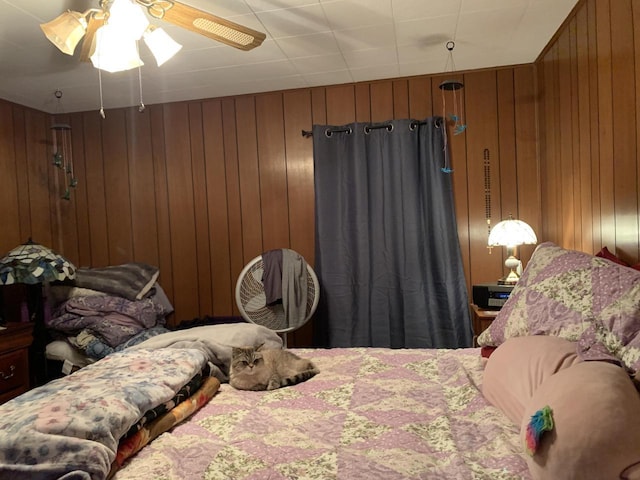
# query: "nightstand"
15, 340
481, 319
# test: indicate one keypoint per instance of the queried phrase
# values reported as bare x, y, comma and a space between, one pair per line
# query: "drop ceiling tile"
224, 56
375, 72
415, 68
268, 5
365, 37
343, 14
404, 10
427, 31
294, 21
268, 85
320, 63
263, 71
308, 45
249, 20
472, 28
371, 57
434, 55
472, 6
328, 78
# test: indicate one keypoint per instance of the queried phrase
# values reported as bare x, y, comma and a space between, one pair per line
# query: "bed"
549, 394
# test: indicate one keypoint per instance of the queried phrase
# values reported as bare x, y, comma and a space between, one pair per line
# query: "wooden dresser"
15, 340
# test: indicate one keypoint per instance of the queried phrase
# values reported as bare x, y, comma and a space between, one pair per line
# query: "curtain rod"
367, 128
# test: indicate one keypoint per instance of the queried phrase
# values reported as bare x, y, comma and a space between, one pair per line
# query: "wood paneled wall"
589, 92
199, 188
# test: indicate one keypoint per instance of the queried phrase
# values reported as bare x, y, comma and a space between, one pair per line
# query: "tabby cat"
254, 368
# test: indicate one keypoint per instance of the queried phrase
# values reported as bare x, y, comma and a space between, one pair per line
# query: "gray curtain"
387, 250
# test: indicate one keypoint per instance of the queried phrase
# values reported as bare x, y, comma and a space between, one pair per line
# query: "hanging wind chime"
454, 107
62, 153
455, 87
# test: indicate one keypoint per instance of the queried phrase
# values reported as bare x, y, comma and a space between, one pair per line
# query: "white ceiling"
309, 43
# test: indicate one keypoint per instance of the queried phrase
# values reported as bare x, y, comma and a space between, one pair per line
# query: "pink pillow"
518, 366
596, 426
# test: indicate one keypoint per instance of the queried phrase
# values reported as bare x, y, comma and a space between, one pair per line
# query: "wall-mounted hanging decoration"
63, 155
452, 97
487, 193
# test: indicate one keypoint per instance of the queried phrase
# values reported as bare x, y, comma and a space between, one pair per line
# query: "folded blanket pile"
71, 427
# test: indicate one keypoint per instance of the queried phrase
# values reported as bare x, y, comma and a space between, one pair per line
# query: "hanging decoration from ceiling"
63, 154
452, 91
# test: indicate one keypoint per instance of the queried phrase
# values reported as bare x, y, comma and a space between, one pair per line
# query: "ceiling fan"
66, 31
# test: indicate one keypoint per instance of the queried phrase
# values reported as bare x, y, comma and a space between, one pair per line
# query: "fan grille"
251, 299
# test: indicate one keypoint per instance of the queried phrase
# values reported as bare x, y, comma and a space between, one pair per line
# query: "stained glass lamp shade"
35, 265
31, 263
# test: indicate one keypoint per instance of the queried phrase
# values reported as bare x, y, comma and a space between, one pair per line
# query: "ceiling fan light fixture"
66, 30
114, 52
129, 18
161, 44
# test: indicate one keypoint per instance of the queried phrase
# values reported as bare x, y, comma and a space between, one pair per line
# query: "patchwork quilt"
370, 413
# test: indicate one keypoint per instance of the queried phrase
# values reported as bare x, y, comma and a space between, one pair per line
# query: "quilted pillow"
518, 366
576, 296
596, 427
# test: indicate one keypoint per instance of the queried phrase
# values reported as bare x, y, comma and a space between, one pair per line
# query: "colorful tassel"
541, 421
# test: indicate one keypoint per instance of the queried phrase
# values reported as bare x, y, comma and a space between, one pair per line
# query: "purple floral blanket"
370, 413
70, 427
112, 319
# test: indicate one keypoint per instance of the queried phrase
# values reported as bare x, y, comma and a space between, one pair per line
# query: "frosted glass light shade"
65, 31
511, 233
113, 51
128, 18
161, 44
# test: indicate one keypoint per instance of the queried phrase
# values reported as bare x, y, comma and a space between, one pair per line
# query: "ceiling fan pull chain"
141, 107
101, 102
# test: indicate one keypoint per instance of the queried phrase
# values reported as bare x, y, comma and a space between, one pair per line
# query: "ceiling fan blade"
92, 25
209, 25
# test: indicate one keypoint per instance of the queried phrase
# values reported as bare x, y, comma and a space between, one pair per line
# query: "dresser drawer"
14, 374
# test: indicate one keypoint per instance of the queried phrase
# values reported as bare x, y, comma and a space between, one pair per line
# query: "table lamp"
511, 233
35, 265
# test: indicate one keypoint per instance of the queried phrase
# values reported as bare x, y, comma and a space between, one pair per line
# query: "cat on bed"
255, 368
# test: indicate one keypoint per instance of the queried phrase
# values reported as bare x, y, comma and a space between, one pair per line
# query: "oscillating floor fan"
251, 300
